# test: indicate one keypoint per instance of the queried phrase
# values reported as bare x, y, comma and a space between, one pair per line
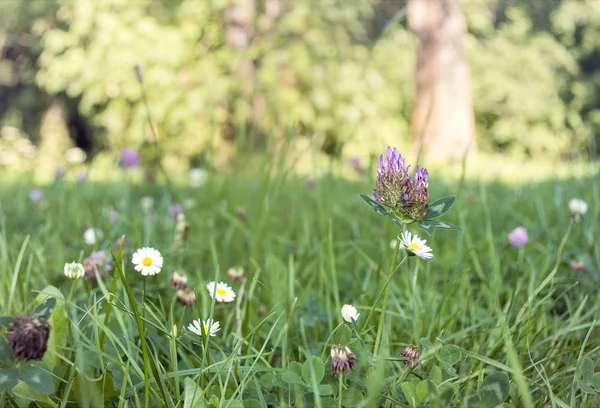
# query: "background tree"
442, 122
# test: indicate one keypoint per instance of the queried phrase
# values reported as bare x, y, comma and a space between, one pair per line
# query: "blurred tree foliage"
343, 71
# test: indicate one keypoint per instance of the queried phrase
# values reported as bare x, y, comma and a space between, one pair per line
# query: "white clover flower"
198, 177
74, 270
147, 203
349, 313
148, 261
577, 207
209, 327
415, 245
222, 293
91, 236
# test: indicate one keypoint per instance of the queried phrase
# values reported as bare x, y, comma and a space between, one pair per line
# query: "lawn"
494, 324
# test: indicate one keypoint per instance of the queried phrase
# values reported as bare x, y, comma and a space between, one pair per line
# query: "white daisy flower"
198, 177
148, 261
91, 236
415, 245
349, 313
74, 270
147, 203
577, 207
222, 293
209, 327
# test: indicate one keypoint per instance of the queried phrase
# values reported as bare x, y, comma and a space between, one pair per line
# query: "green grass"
478, 309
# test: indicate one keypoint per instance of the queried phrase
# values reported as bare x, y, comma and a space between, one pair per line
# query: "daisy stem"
391, 275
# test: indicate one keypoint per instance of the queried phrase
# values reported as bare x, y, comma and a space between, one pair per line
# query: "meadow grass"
494, 322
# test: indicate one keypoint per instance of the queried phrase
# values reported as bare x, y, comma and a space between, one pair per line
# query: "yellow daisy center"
412, 245
221, 292
206, 328
147, 261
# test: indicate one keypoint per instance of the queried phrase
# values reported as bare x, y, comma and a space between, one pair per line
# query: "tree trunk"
443, 119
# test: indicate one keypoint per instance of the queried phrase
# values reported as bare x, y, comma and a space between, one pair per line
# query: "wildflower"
29, 337
518, 237
407, 199
147, 203
349, 313
96, 260
186, 297
198, 177
178, 281
415, 246
118, 243
129, 158
342, 359
356, 164
175, 209
577, 207
412, 354
182, 229
36, 195
221, 291
91, 236
81, 177
209, 327
577, 267
74, 270
236, 274
148, 261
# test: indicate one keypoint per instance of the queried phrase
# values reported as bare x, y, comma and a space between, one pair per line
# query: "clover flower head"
415, 246
186, 297
342, 359
406, 197
577, 208
74, 270
412, 354
175, 209
518, 237
236, 274
178, 280
28, 336
349, 313
36, 195
91, 236
129, 158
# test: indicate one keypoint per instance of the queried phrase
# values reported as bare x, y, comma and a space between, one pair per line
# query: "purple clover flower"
36, 195
81, 177
407, 198
100, 260
175, 209
518, 237
129, 158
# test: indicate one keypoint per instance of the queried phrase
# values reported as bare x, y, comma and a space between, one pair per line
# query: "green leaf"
45, 306
435, 375
436, 224
396, 221
28, 393
426, 227
587, 369
408, 389
440, 207
449, 355
352, 397
5, 321
295, 367
595, 381
494, 389
6, 354
422, 390
37, 378
192, 394
378, 208
425, 343
585, 387
325, 389
317, 367
291, 377
52, 296
8, 378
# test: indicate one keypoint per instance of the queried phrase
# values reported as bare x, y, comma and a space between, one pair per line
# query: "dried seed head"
236, 274
29, 337
577, 267
342, 359
186, 297
412, 354
178, 281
